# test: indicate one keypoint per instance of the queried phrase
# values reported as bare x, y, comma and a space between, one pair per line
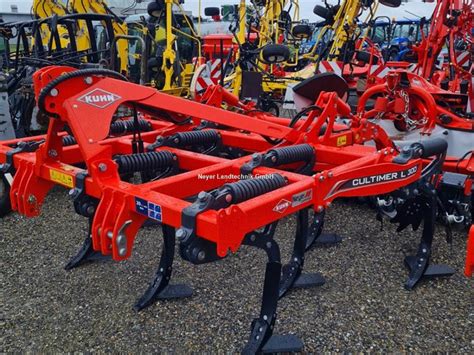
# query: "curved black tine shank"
160, 288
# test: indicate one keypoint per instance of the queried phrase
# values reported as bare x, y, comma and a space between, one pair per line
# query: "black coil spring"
144, 161
126, 126
244, 190
197, 137
292, 154
68, 140
117, 127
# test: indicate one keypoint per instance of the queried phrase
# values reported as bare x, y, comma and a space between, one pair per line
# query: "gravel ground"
362, 307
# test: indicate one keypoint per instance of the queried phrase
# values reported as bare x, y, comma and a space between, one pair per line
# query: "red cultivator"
221, 178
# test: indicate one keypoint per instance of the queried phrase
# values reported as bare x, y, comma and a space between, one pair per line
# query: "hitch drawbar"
213, 180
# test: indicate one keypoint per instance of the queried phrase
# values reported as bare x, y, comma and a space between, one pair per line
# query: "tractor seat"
306, 92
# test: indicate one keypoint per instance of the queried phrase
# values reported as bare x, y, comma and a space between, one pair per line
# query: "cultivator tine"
419, 264
159, 287
261, 337
86, 253
292, 276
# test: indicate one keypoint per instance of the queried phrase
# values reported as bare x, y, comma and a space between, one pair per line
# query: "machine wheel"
154, 8
302, 31
364, 57
260, 2
393, 55
212, 11
272, 108
323, 11
391, 3
275, 53
5, 205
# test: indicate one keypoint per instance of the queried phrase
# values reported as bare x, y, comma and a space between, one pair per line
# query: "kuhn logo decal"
282, 206
99, 98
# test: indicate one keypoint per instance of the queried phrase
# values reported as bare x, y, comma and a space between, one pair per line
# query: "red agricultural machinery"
214, 179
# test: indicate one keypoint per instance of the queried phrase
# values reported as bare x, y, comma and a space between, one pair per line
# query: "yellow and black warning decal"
61, 178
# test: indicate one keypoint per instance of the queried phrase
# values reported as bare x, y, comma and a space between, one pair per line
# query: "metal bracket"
22, 147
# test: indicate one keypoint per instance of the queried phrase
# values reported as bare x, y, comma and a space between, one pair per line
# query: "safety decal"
148, 209
61, 178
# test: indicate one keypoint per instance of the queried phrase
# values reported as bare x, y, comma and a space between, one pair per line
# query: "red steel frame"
87, 106
226, 227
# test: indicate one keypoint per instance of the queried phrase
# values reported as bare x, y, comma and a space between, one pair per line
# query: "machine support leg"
261, 337
292, 276
159, 287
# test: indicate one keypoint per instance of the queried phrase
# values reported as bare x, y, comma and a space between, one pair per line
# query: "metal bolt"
265, 317
181, 233
269, 245
330, 174
253, 237
88, 80
320, 208
31, 199
176, 140
274, 159
122, 251
202, 196
254, 156
228, 198
110, 234
91, 140
90, 210
52, 153
102, 167
321, 178
201, 255
54, 92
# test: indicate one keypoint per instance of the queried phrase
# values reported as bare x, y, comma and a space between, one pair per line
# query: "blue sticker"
148, 209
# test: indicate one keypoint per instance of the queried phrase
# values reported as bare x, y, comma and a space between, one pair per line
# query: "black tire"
272, 108
260, 2
302, 31
212, 11
5, 205
393, 55
391, 3
155, 7
275, 53
365, 57
323, 11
